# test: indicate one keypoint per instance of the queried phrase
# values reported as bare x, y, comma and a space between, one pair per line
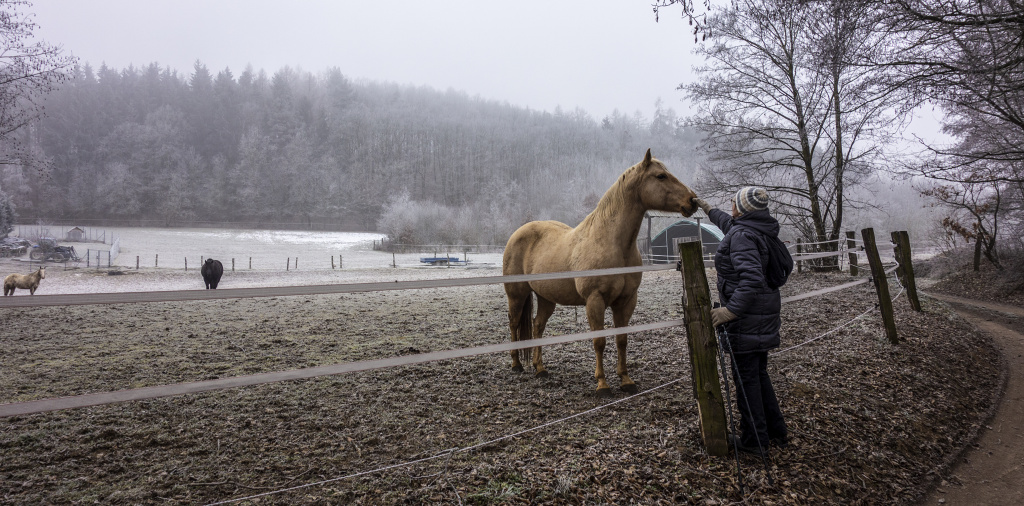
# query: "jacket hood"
759, 220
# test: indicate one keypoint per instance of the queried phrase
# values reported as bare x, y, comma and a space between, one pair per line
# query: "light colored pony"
605, 239
29, 281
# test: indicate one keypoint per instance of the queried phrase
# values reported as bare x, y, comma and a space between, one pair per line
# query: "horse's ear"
647, 158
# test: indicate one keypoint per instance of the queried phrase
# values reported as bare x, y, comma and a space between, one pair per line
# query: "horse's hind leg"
621, 316
544, 310
520, 313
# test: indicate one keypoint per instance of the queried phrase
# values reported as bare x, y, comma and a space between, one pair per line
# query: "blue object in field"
439, 260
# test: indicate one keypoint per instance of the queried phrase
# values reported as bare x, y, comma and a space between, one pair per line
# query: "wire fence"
452, 451
45, 405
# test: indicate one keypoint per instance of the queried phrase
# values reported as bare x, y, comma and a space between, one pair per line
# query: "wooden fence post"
905, 270
799, 250
250, 263
88, 259
332, 262
288, 265
156, 262
703, 347
232, 265
186, 264
851, 251
341, 262
136, 262
881, 284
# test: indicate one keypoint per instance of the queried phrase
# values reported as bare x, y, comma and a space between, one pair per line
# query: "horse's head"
659, 190
42, 273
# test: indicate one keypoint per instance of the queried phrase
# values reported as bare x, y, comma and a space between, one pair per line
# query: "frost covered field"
162, 254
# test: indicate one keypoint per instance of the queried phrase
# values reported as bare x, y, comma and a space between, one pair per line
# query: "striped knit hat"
751, 198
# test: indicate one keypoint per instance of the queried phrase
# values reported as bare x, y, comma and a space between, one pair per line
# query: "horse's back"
528, 249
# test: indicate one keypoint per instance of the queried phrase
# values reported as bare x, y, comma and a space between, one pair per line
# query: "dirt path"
992, 471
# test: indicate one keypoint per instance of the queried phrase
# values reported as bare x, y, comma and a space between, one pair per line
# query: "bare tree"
967, 56
975, 212
28, 71
785, 102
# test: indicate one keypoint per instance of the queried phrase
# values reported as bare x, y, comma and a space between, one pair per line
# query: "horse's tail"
526, 319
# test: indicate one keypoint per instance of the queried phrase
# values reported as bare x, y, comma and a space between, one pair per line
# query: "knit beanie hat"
751, 198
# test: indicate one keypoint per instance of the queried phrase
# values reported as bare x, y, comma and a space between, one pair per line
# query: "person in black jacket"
749, 311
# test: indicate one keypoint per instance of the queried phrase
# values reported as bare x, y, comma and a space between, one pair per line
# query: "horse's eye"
661, 176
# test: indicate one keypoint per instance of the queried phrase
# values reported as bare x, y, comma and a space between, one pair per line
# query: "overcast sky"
595, 54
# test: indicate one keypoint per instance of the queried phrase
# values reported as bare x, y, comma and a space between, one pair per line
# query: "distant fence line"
317, 224
36, 231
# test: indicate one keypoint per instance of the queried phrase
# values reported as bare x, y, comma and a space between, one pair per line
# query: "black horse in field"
212, 271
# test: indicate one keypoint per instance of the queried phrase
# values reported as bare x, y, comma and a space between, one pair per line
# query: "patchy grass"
870, 422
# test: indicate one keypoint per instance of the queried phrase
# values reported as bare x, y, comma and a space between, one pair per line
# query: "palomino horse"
605, 239
26, 281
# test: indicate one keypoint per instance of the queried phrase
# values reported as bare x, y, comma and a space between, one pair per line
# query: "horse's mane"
614, 200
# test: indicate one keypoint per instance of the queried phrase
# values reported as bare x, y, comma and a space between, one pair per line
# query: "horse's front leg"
595, 316
621, 316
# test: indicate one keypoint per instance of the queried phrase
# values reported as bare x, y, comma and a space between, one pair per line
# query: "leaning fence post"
851, 251
881, 284
799, 250
703, 347
905, 268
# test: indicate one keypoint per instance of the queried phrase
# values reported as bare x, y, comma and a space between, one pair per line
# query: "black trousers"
760, 415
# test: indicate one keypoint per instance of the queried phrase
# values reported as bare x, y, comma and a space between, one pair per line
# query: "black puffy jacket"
741, 260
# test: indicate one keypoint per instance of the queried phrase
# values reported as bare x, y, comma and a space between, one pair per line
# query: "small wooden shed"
75, 235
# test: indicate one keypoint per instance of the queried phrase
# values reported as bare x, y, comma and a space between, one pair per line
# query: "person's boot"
735, 442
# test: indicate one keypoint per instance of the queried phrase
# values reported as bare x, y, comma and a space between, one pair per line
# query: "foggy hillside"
151, 146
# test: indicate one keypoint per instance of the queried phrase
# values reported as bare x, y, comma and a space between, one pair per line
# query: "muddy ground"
870, 422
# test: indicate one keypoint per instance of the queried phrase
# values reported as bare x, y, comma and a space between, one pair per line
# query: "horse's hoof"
517, 368
542, 374
629, 388
604, 392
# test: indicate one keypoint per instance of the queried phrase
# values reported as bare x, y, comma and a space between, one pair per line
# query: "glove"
721, 316
701, 203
